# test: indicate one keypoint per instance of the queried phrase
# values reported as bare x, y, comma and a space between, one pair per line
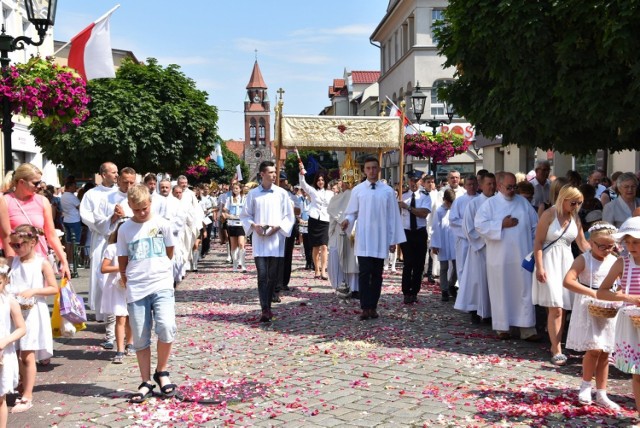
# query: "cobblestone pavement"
318, 365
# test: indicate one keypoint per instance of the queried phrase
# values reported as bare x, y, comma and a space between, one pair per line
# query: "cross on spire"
280, 92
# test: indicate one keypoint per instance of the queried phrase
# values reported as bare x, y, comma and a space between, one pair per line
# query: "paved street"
318, 365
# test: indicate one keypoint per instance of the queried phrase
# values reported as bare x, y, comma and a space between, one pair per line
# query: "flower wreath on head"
603, 226
4, 269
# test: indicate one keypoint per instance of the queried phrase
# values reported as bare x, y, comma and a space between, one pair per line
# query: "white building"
409, 58
24, 149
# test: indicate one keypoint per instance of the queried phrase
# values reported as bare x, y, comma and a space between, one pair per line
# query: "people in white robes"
456, 216
343, 265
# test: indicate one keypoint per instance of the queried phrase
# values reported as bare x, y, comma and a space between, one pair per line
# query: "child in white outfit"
114, 299
12, 328
594, 335
32, 279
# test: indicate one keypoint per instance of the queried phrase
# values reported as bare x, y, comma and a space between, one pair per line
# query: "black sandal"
169, 390
139, 397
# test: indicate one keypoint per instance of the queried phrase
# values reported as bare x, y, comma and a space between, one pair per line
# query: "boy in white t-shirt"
145, 248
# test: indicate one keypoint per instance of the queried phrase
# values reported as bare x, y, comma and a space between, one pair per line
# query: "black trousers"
285, 273
268, 269
308, 249
370, 281
206, 242
414, 251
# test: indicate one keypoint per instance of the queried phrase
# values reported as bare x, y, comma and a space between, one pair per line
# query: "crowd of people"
471, 236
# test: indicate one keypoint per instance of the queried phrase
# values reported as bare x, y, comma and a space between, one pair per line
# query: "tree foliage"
562, 75
149, 117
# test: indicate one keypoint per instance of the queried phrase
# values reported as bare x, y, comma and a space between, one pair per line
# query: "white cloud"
185, 60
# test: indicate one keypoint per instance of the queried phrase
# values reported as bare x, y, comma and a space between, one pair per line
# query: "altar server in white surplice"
473, 295
268, 217
456, 215
508, 223
88, 206
378, 230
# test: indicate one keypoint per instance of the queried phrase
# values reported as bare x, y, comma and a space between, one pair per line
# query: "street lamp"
418, 99
42, 14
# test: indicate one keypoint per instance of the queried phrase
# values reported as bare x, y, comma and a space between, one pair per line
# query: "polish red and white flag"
90, 53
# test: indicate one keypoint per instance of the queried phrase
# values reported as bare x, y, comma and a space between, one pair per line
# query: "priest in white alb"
508, 223
473, 295
456, 214
88, 206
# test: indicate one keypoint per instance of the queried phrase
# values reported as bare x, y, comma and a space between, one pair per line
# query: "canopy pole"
278, 137
401, 140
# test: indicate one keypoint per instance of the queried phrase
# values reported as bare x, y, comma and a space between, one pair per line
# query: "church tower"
257, 123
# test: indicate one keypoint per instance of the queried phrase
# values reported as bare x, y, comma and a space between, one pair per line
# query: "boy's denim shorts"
158, 306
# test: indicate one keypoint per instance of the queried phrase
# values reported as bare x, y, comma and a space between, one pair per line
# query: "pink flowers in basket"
46, 92
438, 148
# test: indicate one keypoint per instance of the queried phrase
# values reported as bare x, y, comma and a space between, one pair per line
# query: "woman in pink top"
22, 205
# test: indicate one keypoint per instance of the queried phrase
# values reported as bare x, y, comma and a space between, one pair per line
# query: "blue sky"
302, 45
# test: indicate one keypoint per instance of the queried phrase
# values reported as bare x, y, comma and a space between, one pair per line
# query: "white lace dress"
9, 370
586, 332
39, 336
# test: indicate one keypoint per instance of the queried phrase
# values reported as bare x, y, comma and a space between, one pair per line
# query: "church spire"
256, 81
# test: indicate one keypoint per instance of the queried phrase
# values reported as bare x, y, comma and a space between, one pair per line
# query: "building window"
436, 15
263, 133
252, 132
437, 106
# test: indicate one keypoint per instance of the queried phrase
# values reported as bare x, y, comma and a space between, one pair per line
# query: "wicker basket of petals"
634, 315
600, 309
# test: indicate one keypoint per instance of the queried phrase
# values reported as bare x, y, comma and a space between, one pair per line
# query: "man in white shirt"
541, 184
594, 179
508, 224
415, 206
433, 265
207, 204
88, 206
71, 220
191, 204
378, 230
268, 216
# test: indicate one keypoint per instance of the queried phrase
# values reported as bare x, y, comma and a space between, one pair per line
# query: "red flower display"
439, 148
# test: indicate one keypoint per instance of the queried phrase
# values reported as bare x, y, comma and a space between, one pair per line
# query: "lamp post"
418, 101
42, 14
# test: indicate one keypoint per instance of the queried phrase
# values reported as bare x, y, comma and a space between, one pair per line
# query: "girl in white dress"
627, 268
557, 228
114, 299
32, 279
595, 336
11, 329
444, 246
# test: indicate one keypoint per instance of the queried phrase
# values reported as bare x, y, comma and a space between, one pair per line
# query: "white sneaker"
603, 401
584, 396
386, 268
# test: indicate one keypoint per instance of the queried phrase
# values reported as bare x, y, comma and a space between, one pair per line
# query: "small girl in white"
114, 299
11, 329
595, 336
32, 279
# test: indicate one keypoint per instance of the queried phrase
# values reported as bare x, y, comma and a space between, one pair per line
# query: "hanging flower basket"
46, 92
438, 148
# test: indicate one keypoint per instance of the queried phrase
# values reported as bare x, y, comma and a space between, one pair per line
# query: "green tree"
553, 74
149, 117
